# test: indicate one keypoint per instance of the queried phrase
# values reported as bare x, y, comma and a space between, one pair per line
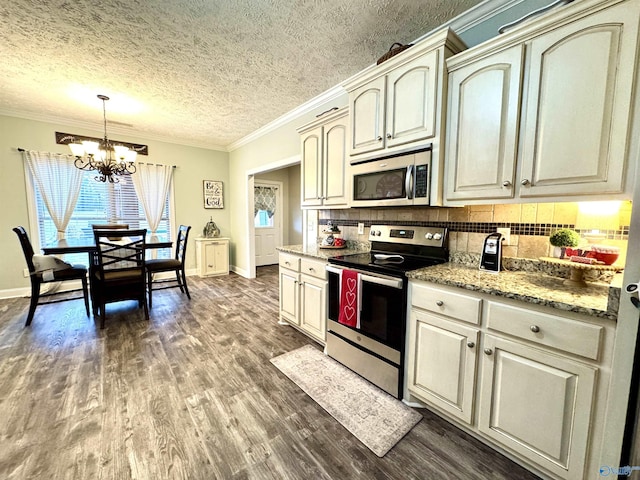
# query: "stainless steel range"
373, 346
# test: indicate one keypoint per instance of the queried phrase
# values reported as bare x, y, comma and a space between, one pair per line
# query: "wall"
530, 224
488, 28
193, 166
281, 144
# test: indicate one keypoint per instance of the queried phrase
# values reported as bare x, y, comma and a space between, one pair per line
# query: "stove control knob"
428, 236
437, 236
377, 233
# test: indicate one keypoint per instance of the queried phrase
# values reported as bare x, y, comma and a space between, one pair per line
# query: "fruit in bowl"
604, 253
338, 242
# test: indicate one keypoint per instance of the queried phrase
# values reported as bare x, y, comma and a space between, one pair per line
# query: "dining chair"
175, 264
119, 273
49, 269
93, 257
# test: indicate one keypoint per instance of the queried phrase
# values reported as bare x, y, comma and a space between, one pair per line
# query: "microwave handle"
408, 182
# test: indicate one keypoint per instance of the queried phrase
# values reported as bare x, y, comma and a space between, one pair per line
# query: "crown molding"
113, 128
307, 107
466, 20
479, 14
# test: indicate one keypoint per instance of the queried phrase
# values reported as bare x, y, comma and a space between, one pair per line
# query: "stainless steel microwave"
393, 181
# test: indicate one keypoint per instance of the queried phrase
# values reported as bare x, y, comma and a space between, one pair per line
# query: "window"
263, 220
101, 203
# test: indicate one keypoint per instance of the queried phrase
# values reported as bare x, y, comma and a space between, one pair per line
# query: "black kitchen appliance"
491, 260
376, 349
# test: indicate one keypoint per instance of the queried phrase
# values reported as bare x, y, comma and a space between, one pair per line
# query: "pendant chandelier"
109, 160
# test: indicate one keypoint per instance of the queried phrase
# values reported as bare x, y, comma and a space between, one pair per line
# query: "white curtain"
58, 181
152, 186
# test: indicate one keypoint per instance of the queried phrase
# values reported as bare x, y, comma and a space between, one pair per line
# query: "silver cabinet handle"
379, 138
439, 303
506, 183
488, 351
471, 344
534, 328
287, 263
388, 135
524, 181
311, 269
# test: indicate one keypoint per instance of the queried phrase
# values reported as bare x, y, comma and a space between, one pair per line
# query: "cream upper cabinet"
367, 106
400, 105
483, 132
396, 108
577, 114
551, 124
325, 166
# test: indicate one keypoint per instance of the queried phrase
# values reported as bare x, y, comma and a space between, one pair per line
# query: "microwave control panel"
422, 174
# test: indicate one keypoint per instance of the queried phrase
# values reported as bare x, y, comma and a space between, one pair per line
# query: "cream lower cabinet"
212, 256
537, 404
527, 379
542, 112
442, 369
303, 295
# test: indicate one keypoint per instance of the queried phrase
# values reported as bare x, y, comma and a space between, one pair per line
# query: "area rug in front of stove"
373, 416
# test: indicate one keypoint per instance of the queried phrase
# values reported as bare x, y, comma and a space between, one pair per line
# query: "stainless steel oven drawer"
378, 372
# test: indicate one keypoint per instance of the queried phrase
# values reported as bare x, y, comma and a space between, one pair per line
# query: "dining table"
87, 245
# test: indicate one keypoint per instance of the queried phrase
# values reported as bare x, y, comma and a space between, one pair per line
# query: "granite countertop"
526, 282
596, 299
315, 251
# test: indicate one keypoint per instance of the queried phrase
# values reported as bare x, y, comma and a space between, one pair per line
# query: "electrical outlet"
506, 235
360, 228
25, 272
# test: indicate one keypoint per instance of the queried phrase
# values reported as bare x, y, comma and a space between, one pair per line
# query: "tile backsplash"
530, 224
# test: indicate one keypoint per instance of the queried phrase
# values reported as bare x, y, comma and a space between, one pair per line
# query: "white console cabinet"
212, 256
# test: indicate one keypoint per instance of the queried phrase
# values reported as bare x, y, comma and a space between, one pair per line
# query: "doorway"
267, 207
286, 171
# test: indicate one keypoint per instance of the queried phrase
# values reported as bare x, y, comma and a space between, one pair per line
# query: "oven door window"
382, 313
386, 185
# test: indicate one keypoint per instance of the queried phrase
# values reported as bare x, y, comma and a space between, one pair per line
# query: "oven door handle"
386, 281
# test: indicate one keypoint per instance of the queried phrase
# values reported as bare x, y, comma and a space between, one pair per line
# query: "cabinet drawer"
563, 333
289, 261
313, 268
454, 305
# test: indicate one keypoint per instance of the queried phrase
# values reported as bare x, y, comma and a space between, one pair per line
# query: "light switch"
360, 228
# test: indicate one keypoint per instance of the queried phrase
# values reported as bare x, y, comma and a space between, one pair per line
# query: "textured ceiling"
202, 72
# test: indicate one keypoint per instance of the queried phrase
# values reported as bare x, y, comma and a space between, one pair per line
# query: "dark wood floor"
190, 394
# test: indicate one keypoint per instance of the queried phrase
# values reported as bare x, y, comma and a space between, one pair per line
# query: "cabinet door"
313, 307
577, 112
411, 101
311, 168
442, 363
366, 105
222, 257
482, 136
289, 295
216, 258
335, 163
537, 404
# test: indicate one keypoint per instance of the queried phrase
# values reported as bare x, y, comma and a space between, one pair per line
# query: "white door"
268, 222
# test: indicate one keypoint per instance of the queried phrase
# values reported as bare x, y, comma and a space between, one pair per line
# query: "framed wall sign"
213, 194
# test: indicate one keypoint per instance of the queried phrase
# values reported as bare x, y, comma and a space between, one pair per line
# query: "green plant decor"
565, 237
